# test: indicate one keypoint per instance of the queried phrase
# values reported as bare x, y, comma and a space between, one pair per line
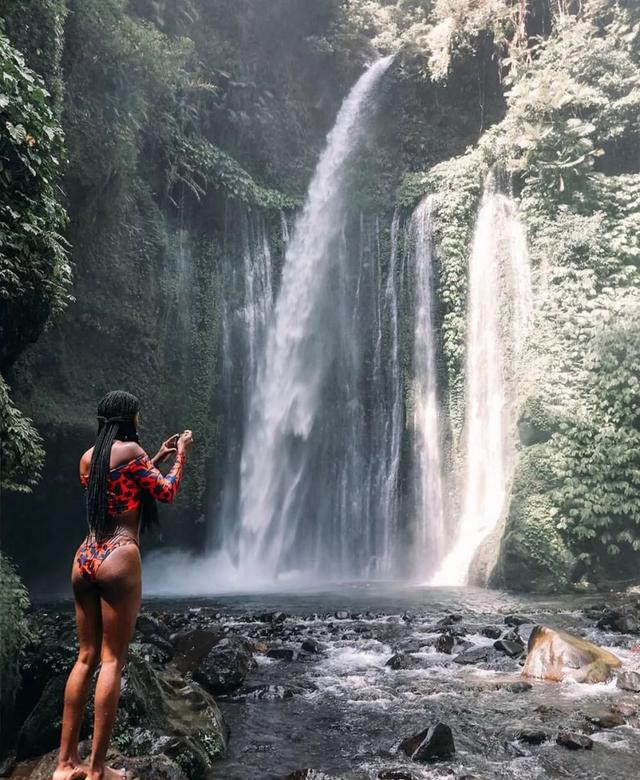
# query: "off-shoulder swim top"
127, 483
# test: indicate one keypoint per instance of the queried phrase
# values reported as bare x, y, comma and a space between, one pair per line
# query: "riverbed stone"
193, 646
445, 643
311, 646
605, 719
434, 743
629, 681
226, 666
282, 653
510, 648
403, 661
491, 632
574, 741
555, 655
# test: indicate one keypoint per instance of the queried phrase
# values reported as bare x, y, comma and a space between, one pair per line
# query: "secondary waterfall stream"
302, 344
499, 311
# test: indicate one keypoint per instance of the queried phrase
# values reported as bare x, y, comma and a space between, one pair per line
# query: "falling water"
430, 533
247, 308
299, 351
499, 310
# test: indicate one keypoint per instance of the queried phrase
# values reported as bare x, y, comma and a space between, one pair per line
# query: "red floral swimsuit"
125, 486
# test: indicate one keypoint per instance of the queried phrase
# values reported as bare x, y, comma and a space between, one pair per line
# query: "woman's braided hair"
116, 420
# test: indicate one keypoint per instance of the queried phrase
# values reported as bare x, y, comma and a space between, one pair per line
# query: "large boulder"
431, 744
163, 713
556, 655
159, 767
226, 666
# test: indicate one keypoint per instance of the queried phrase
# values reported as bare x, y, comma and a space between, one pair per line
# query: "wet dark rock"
573, 741
148, 626
272, 617
40, 732
42, 663
395, 774
431, 744
605, 719
152, 652
311, 646
310, 774
476, 655
193, 646
449, 620
492, 632
516, 620
403, 661
158, 767
282, 653
445, 643
518, 687
7, 765
512, 649
624, 620
226, 666
629, 681
531, 735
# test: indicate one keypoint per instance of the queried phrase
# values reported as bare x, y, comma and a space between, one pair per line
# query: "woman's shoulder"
123, 452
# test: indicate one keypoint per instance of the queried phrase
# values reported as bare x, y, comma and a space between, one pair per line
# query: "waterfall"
499, 312
430, 532
301, 343
246, 310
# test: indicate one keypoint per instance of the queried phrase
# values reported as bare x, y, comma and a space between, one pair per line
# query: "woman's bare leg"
89, 626
119, 582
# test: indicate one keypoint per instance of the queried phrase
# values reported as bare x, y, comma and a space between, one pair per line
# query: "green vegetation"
14, 602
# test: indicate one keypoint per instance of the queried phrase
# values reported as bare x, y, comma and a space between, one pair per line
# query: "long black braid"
116, 420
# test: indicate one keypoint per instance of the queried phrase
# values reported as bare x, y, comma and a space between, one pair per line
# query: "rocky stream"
357, 683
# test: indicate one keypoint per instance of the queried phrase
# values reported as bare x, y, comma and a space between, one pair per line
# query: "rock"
40, 732
311, 646
395, 774
555, 655
402, 661
159, 767
264, 693
445, 643
193, 646
573, 741
512, 649
282, 653
152, 652
476, 655
341, 615
626, 708
272, 617
629, 681
310, 774
518, 687
605, 719
226, 666
41, 663
161, 712
624, 620
449, 620
531, 735
430, 744
516, 620
148, 626
492, 632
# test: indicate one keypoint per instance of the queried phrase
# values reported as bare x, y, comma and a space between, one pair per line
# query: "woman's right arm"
162, 488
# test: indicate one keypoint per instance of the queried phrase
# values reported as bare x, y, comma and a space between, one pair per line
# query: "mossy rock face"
537, 424
161, 713
533, 555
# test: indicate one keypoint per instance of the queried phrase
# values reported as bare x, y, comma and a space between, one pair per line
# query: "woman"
122, 485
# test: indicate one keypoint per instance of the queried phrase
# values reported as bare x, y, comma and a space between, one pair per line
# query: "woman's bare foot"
68, 771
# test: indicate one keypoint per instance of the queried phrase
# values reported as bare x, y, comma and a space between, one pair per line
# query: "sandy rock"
556, 655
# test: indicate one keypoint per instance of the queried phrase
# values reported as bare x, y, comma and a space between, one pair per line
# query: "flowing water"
499, 310
343, 711
287, 520
431, 537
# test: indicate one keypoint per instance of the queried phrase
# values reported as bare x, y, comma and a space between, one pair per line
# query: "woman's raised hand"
185, 441
166, 448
